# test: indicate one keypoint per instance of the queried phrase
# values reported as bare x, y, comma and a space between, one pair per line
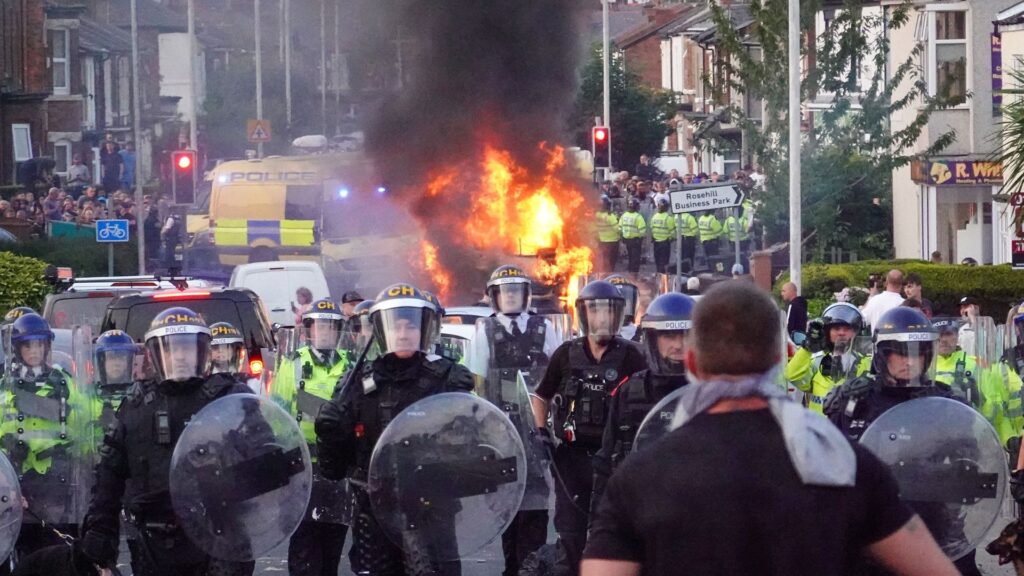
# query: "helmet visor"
179, 357
33, 352
665, 351
114, 367
631, 294
405, 330
324, 334
510, 298
905, 364
227, 358
601, 318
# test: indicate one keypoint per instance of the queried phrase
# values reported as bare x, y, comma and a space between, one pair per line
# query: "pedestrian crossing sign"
258, 130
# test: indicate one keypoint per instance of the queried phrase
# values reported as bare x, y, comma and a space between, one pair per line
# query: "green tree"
640, 115
851, 148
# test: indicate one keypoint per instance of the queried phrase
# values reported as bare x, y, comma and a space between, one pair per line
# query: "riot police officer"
902, 369
512, 342
579, 378
608, 234
631, 294
358, 331
114, 355
133, 471
663, 232
665, 324
406, 325
227, 349
43, 412
304, 383
633, 228
1014, 355
9, 318
828, 356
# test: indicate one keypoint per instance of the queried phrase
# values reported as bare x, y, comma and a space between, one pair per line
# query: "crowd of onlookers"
647, 181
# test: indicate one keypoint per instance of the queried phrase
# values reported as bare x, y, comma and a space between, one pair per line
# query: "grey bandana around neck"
820, 453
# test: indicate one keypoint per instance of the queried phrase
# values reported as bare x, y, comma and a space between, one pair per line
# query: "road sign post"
704, 197
110, 232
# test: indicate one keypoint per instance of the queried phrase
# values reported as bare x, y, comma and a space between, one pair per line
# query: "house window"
62, 156
948, 54
22, 134
59, 61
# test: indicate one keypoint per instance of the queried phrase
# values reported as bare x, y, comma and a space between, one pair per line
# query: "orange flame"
441, 278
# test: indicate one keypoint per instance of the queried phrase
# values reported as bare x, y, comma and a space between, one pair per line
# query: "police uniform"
608, 234
663, 232
135, 458
634, 228
816, 372
579, 386
995, 391
710, 229
305, 382
370, 396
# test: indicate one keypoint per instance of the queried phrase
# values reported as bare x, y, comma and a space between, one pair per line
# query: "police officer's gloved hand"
94, 549
1017, 486
547, 439
815, 341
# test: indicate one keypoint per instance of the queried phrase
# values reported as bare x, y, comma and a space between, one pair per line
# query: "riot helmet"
847, 322
599, 310
115, 353
405, 321
904, 342
948, 330
15, 313
227, 349
358, 329
178, 343
509, 290
662, 204
665, 325
629, 292
606, 203
632, 205
31, 340
323, 323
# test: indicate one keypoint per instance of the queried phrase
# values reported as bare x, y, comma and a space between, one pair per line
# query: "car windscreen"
71, 312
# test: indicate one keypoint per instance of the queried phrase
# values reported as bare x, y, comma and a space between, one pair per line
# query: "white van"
276, 282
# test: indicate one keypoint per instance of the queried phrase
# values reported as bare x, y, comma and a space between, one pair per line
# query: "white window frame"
25, 131
934, 42
89, 92
65, 59
66, 144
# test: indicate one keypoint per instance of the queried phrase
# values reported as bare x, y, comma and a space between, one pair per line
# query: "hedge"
85, 257
997, 288
21, 281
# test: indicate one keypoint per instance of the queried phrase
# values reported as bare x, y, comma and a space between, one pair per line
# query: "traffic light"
183, 176
601, 138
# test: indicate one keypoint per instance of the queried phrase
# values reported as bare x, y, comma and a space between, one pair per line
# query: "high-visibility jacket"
303, 383
688, 225
710, 228
804, 370
663, 226
736, 227
607, 227
632, 225
994, 391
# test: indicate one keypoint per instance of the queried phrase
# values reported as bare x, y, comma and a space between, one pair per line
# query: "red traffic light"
600, 134
184, 162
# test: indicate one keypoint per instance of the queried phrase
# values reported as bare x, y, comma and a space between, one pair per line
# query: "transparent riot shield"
658, 421
446, 476
949, 464
240, 477
970, 376
453, 347
10, 508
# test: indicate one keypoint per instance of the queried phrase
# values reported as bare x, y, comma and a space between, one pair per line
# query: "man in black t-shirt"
581, 375
724, 494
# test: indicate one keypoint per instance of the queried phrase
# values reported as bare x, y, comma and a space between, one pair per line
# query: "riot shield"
658, 421
846, 358
10, 508
446, 476
949, 464
240, 477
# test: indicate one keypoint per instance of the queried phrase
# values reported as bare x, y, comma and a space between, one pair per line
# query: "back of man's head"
736, 330
894, 280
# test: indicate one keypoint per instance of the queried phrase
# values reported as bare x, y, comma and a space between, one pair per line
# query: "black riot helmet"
632, 204
841, 314
599, 309
227, 349
662, 204
909, 335
115, 353
358, 329
509, 290
178, 342
323, 322
629, 292
670, 314
405, 321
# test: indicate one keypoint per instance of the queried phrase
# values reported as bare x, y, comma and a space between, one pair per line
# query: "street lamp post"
795, 229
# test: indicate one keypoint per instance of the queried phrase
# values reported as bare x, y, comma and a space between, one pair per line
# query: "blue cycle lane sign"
111, 231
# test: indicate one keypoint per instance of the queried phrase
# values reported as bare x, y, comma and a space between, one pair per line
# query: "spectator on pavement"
78, 176
128, 161
912, 289
884, 301
113, 165
796, 309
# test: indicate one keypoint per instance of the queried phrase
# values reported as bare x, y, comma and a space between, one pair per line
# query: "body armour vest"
582, 407
636, 397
